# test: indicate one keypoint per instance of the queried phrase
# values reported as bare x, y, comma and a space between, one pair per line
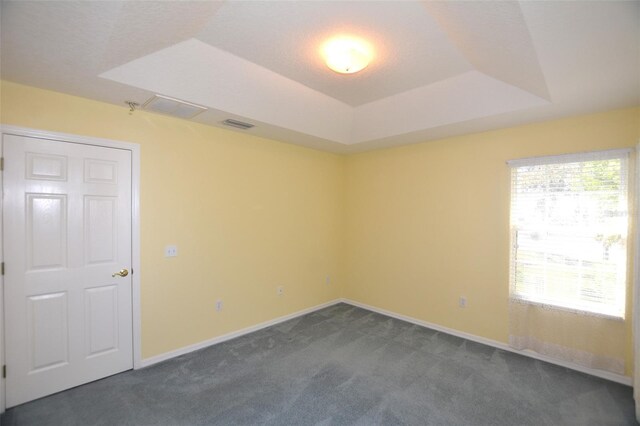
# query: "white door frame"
636, 285
135, 231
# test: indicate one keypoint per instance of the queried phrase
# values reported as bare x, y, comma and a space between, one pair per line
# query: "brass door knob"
122, 273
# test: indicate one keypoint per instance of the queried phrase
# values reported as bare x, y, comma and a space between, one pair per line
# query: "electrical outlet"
462, 302
170, 251
327, 280
218, 305
280, 290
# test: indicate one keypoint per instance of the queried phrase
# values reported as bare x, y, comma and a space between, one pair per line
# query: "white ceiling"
440, 68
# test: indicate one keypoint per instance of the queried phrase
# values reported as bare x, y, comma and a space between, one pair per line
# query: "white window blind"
569, 223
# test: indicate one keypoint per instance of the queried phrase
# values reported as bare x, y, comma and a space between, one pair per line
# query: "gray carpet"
340, 365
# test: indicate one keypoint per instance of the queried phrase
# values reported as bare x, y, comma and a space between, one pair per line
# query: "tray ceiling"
440, 68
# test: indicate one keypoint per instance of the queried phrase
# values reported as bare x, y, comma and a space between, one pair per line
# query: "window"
569, 221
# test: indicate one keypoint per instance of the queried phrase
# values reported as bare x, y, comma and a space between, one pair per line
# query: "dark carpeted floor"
340, 365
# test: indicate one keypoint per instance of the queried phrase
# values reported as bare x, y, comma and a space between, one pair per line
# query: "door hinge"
4, 371
1, 163
2, 268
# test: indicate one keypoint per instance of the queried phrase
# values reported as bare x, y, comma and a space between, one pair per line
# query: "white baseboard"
625, 380
186, 349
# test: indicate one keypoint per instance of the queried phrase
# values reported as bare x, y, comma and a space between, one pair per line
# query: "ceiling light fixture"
347, 55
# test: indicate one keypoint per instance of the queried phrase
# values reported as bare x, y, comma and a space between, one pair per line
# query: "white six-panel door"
67, 224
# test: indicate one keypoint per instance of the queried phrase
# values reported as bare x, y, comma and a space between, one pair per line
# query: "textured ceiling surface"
440, 68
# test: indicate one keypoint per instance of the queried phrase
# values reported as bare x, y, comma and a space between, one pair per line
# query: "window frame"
626, 177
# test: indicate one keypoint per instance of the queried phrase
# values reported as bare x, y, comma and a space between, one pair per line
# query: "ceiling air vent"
237, 124
174, 107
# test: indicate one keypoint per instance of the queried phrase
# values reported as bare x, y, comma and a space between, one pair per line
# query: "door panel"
46, 231
48, 332
46, 167
99, 171
100, 229
101, 317
67, 225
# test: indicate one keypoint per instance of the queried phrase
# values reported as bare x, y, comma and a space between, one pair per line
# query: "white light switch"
170, 251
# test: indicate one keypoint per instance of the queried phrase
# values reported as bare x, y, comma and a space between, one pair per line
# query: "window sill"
547, 305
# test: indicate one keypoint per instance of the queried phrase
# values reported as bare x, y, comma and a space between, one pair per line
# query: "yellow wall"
407, 229
429, 223
247, 214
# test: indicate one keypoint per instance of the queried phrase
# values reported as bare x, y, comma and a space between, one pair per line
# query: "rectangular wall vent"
174, 107
237, 124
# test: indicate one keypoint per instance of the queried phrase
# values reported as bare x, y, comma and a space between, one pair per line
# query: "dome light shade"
347, 55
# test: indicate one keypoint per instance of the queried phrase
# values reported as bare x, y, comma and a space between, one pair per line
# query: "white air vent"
237, 124
175, 107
